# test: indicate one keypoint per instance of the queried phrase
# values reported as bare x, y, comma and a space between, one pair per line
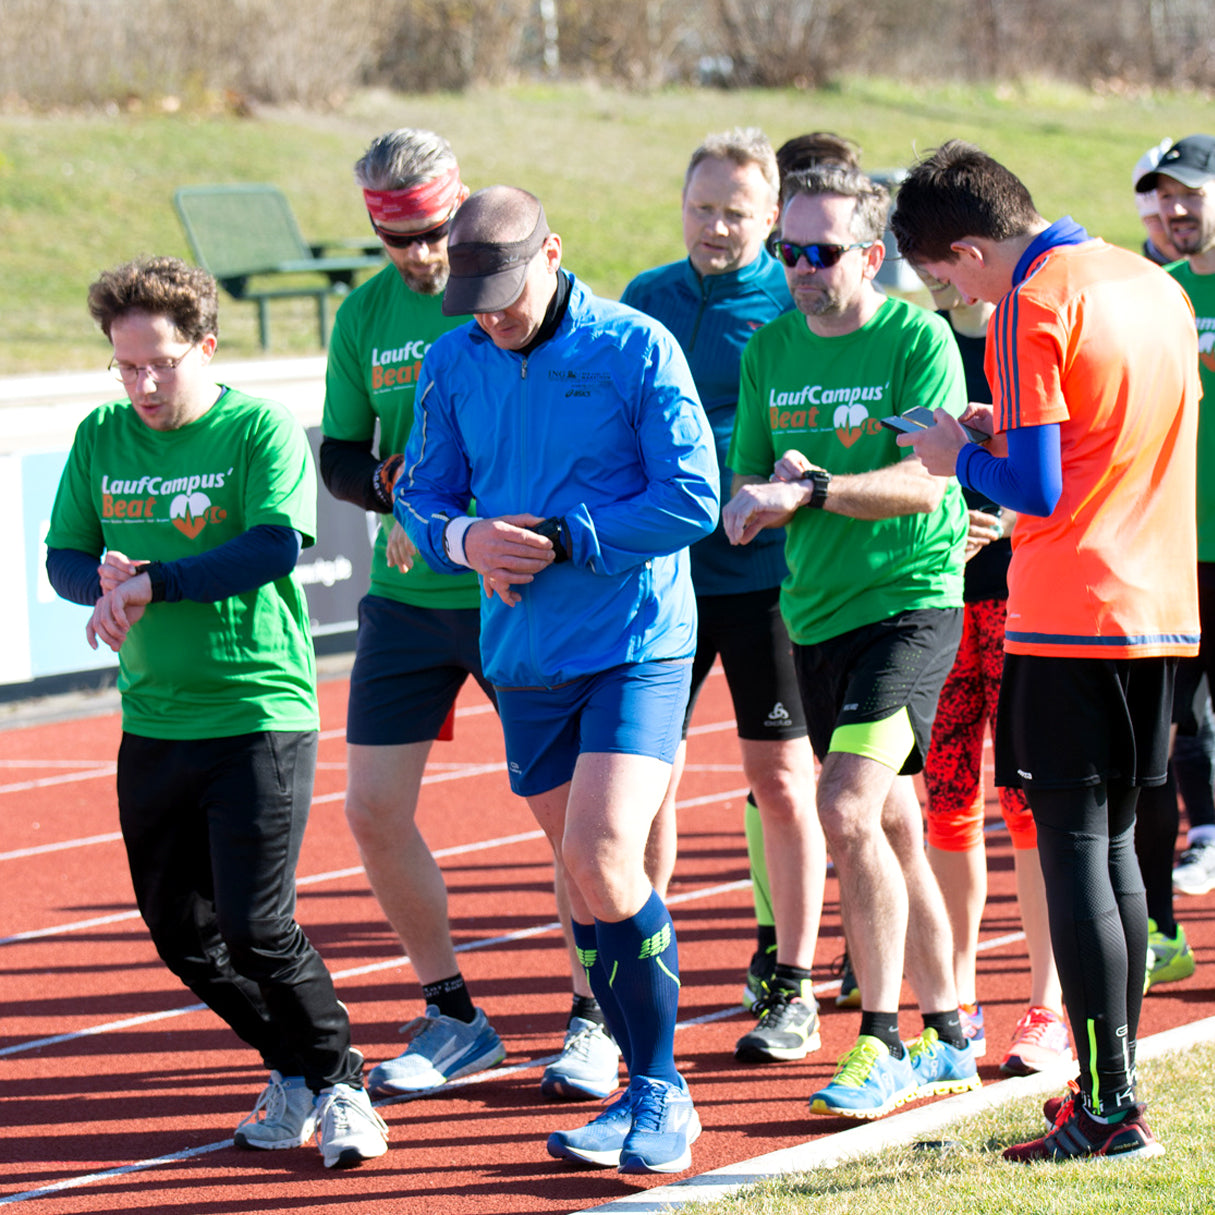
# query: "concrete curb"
872, 1137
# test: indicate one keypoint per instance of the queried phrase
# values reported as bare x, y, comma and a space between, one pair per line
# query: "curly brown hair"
159, 286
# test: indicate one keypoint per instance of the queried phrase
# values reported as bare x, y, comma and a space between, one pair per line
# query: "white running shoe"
1195, 872
348, 1130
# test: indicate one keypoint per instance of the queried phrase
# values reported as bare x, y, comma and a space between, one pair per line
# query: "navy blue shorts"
635, 709
409, 666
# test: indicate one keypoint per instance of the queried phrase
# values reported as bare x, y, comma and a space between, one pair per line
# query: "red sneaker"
1077, 1136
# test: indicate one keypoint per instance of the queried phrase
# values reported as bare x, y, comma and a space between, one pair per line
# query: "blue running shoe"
440, 1049
941, 1068
588, 1068
600, 1141
869, 1082
665, 1125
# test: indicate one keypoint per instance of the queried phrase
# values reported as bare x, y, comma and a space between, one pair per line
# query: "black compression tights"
1156, 825
1098, 928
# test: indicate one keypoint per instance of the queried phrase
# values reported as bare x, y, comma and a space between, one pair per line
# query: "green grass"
971, 1177
79, 193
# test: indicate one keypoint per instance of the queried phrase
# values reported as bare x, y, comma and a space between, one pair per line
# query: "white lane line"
310, 880
451, 772
42, 849
485, 1077
66, 778
521, 934
332, 875
53, 763
470, 711
437, 773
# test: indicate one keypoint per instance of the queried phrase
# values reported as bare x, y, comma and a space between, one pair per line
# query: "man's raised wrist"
820, 481
155, 571
453, 539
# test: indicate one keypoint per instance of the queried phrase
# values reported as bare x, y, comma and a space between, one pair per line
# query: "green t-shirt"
824, 396
200, 670
380, 335
1201, 290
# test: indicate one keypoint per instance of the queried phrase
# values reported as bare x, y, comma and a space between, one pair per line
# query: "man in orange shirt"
1091, 357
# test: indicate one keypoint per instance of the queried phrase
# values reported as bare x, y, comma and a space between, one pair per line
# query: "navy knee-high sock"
641, 960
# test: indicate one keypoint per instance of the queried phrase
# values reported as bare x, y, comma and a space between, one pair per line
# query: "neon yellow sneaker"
1169, 958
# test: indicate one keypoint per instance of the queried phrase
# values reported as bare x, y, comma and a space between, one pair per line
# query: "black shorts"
409, 666
749, 633
868, 675
1064, 722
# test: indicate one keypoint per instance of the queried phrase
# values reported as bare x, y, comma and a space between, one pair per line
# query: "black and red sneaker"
1075, 1135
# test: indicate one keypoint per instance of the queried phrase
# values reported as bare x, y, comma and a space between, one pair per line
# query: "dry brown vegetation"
235, 53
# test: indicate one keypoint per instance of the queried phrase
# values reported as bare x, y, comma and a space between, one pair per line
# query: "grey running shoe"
787, 1029
440, 1049
284, 1116
588, 1068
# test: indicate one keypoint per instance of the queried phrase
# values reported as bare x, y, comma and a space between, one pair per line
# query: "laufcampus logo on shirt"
181, 500
815, 408
1206, 342
397, 367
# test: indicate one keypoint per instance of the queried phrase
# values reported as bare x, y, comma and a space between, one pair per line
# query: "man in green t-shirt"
215, 494
419, 630
1184, 182
872, 600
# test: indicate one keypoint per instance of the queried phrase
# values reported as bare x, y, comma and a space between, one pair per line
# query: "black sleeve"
260, 555
74, 575
348, 469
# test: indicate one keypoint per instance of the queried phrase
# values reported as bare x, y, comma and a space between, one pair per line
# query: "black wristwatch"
156, 576
555, 530
821, 478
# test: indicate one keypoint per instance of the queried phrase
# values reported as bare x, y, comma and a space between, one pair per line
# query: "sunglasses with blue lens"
820, 257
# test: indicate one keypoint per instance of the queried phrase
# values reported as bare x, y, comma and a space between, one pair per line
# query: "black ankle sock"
884, 1026
793, 977
765, 938
948, 1027
451, 998
587, 1007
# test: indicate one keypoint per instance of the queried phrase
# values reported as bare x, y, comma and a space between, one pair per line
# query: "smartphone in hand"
919, 417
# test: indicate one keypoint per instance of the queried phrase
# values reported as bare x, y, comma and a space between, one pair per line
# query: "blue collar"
725, 284
1063, 231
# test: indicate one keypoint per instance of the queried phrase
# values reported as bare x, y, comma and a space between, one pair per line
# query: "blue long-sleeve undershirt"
252, 559
1029, 480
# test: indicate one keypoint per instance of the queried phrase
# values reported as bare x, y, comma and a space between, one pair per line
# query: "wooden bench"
247, 237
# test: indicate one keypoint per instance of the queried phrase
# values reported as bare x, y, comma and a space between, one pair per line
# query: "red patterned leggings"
953, 770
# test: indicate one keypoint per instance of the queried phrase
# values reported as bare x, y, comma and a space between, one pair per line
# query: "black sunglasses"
402, 240
821, 257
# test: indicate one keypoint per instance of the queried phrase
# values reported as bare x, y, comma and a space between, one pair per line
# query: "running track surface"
119, 1093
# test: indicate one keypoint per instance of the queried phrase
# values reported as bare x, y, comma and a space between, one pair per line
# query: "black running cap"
1190, 161
487, 276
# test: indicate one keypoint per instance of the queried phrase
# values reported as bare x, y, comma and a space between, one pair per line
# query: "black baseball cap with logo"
1190, 161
